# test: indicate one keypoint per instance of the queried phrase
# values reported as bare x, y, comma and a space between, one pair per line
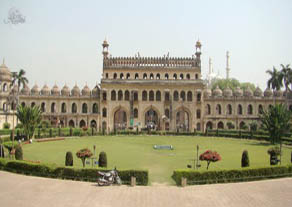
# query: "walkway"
19, 190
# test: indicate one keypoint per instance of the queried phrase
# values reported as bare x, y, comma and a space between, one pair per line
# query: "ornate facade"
163, 93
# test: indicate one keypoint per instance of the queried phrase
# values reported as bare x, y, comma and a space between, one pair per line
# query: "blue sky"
61, 40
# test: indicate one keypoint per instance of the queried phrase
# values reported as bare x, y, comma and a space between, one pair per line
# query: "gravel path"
25, 191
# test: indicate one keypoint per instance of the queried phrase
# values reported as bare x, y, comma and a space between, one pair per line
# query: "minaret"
210, 66
227, 65
105, 46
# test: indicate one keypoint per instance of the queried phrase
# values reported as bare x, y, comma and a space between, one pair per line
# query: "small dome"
258, 92
96, 91
227, 92
45, 90
75, 91
248, 92
278, 93
85, 91
207, 93
25, 90
217, 92
65, 91
268, 92
55, 90
35, 90
5, 74
238, 92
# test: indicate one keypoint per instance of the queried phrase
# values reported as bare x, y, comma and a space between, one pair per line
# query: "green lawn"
136, 152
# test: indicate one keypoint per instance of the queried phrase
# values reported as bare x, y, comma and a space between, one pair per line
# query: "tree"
275, 81
83, 154
69, 159
245, 159
102, 161
232, 84
286, 76
19, 78
30, 117
210, 156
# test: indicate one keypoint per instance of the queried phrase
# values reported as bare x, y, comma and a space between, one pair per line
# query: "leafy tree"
286, 74
245, 159
19, 78
246, 85
210, 156
83, 154
275, 81
232, 84
30, 117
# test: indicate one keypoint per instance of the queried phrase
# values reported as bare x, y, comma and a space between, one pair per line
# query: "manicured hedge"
52, 171
226, 176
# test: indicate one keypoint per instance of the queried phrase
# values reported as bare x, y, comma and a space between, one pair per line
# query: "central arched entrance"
120, 120
151, 119
182, 120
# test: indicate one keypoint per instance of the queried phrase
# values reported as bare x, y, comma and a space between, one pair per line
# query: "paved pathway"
19, 190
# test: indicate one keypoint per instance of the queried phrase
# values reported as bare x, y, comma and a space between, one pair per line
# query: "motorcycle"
108, 178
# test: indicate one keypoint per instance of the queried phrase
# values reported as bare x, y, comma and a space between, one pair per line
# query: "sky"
60, 42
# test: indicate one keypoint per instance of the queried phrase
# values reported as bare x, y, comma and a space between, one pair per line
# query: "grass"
136, 152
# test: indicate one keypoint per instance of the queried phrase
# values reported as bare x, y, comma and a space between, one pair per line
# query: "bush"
19, 126
18, 153
6, 125
245, 159
83, 154
102, 161
69, 159
2, 154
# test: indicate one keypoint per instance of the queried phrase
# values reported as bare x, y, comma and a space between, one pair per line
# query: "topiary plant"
102, 161
18, 153
245, 159
210, 156
83, 154
69, 159
2, 154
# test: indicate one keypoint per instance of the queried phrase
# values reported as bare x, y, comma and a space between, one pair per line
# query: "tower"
198, 52
227, 65
105, 46
210, 66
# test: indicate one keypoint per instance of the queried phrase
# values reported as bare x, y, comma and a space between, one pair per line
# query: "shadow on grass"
260, 144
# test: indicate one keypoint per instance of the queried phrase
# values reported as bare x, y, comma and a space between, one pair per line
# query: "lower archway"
82, 124
220, 125
93, 124
182, 120
71, 123
151, 119
209, 125
120, 120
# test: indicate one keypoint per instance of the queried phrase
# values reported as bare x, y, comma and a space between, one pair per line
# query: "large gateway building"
162, 93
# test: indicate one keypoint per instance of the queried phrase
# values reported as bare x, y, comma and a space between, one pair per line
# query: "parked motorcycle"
108, 178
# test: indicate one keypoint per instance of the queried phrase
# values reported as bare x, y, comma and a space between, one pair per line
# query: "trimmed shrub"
69, 159
2, 154
102, 161
6, 125
18, 153
245, 159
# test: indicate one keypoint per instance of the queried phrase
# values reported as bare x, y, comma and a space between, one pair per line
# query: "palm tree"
19, 78
275, 82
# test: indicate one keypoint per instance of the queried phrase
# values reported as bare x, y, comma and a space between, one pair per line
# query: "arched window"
113, 95
166, 113
74, 108
127, 95
209, 125
229, 109
63, 108
5, 108
198, 113
158, 96
128, 76
208, 109
175, 96
166, 96
181, 76
157, 76
53, 107
151, 96
190, 96
84, 108
136, 76
23, 104
220, 125
166, 76
199, 97
175, 76
136, 96
43, 107
135, 113
120, 95
82, 124
242, 125
95, 108
144, 96
188, 76
198, 127
183, 95
32, 104
218, 109
71, 124
151, 76
104, 112
196, 76
115, 76
104, 96
106, 75
261, 110
239, 109
249, 109
122, 76
145, 76
270, 106
5, 88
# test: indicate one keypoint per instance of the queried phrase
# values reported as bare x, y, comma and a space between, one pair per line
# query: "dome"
217, 91
45, 90
65, 91
268, 92
258, 92
96, 91
248, 92
238, 92
5, 74
55, 90
75, 91
227, 92
85, 91
278, 93
25, 90
207, 92
35, 90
